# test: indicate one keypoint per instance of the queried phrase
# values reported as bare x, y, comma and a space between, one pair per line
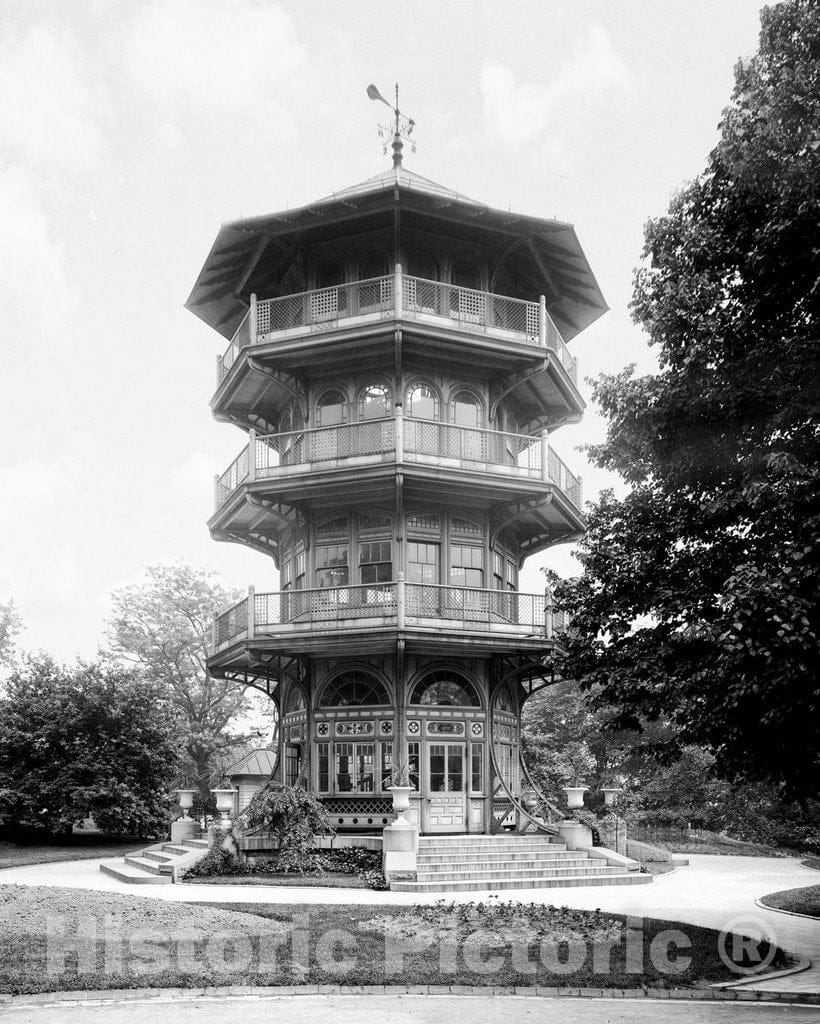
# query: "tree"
90, 740
293, 816
11, 626
164, 626
696, 607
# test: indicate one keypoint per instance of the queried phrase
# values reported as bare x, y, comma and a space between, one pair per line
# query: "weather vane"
401, 127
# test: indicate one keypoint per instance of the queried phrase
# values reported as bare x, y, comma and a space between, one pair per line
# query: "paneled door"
446, 803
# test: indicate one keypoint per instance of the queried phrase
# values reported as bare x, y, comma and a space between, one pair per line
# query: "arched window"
330, 274
295, 701
445, 689
423, 402
374, 265
354, 688
374, 402
465, 409
331, 408
465, 275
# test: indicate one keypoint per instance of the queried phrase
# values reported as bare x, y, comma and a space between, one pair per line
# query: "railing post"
399, 434
400, 601
397, 295
545, 455
548, 613
251, 455
542, 320
251, 613
253, 322
214, 633
217, 494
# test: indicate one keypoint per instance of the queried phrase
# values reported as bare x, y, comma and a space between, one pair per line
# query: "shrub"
290, 814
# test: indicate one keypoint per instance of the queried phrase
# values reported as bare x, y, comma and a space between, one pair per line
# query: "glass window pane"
466, 410
345, 781
330, 409
365, 762
324, 768
422, 402
477, 768
413, 764
387, 764
438, 773
455, 768
374, 402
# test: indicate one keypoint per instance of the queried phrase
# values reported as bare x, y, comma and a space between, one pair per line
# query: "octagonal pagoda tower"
397, 356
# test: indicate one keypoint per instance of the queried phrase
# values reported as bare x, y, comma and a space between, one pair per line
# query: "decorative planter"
224, 804
575, 796
185, 799
401, 798
529, 800
610, 793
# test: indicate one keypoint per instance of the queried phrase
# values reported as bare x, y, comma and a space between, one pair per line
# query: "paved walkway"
713, 891
330, 1009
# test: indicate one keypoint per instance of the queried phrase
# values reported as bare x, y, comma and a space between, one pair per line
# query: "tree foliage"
11, 625
696, 607
90, 740
164, 626
292, 815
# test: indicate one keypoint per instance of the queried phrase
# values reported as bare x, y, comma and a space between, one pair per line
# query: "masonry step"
149, 865
491, 865
487, 846
196, 844
133, 875
515, 856
175, 849
500, 874
159, 856
492, 884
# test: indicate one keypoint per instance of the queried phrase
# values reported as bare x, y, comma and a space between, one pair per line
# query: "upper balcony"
309, 456
520, 332
371, 615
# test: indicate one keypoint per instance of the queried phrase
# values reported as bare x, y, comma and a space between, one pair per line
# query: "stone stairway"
157, 865
464, 863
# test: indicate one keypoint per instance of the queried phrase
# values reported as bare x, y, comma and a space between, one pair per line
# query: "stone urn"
529, 801
224, 804
575, 796
610, 794
185, 799
401, 800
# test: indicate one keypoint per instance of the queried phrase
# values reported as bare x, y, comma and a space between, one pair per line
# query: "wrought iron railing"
398, 295
404, 438
398, 603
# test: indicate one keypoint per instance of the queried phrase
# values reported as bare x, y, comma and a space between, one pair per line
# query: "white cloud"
518, 113
213, 58
49, 116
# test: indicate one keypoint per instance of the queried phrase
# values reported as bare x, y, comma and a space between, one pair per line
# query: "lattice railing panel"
468, 306
563, 478
558, 346
326, 604
473, 607
240, 340
473, 444
324, 305
360, 805
234, 475
322, 444
232, 623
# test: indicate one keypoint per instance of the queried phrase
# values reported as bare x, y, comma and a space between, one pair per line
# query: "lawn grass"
701, 841
79, 847
811, 862
329, 880
796, 901
57, 939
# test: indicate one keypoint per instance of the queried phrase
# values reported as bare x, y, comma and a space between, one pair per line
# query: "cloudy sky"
129, 130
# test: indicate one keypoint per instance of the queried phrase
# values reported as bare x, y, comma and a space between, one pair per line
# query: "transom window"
354, 689
374, 402
423, 402
445, 689
331, 408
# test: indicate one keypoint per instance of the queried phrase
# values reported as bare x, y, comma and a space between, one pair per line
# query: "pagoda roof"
549, 249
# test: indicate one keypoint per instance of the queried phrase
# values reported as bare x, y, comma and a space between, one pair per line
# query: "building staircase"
157, 865
463, 863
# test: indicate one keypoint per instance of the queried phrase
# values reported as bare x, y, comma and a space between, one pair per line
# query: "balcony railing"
398, 604
398, 295
402, 439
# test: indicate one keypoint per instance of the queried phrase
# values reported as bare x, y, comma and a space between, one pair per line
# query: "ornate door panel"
446, 809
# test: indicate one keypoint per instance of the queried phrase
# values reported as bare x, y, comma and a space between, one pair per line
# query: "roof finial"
401, 129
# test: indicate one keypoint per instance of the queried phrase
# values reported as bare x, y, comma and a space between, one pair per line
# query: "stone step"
133, 875
158, 856
175, 850
482, 848
503, 858
196, 844
492, 884
489, 866
503, 842
149, 865
573, 870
